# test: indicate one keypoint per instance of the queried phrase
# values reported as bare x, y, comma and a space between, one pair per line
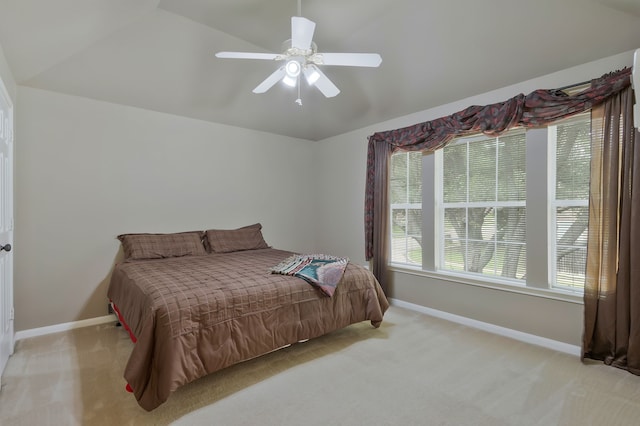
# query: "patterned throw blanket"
320, 270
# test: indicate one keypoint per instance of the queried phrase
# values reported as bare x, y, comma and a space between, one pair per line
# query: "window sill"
555, 294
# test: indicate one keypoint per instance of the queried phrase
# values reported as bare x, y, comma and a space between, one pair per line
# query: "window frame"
404, 206
441, 205
554, 203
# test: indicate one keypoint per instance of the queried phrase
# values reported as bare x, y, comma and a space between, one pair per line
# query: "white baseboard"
491, 328
41, 331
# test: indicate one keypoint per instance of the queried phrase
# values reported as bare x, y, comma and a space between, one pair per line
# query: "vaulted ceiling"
159, 54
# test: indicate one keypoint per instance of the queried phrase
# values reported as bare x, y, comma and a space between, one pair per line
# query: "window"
510, 209
483, 209
571, 143
405, 194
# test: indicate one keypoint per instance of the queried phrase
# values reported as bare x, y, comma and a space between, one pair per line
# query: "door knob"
6, 247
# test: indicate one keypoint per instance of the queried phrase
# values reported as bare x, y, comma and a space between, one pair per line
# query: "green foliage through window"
483, 194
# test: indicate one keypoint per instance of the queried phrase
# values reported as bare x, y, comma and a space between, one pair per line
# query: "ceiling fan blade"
302, 32
270, 81
351, 59
321, 81
246, 55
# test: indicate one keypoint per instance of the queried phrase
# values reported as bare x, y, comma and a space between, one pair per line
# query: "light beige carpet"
414, 370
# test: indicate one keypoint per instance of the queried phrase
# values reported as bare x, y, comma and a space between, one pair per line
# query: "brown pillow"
158, 246
228, 240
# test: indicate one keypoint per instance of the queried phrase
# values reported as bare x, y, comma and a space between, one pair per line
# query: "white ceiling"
159, 54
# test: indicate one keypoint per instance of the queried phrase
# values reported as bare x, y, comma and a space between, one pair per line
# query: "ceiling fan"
301, 57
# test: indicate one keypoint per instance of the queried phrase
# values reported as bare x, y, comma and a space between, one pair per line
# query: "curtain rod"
571, 86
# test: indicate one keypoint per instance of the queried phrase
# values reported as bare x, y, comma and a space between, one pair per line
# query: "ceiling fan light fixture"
311, 74
293, 69
290, 81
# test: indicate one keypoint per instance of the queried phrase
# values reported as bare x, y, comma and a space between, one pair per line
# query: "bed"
195, 303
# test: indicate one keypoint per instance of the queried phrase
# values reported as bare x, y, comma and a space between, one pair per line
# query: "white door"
6, 227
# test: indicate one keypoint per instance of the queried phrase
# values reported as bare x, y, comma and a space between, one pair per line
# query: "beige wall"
87, 171
342, 226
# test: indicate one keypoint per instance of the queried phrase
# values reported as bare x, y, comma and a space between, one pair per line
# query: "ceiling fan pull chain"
299, 100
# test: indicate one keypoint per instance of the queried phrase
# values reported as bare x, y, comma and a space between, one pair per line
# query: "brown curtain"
535, 109
612, 288
383, 153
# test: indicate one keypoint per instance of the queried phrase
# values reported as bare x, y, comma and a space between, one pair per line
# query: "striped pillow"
159, 246
229, 240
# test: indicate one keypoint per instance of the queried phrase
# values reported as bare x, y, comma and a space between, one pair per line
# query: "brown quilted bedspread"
194, 315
